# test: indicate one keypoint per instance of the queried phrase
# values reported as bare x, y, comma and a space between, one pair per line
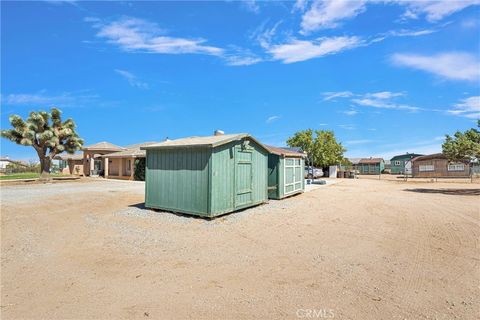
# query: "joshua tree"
45, 132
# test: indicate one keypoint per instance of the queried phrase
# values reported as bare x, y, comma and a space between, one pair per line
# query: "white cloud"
272, 119
300, 5
301, 50
383, 103
450, 65
240, 57
350, 112
132, 79
347, 126
385, 94
133, 34
410, 33
357, 142
329, 13
469, 108
333, 95
251, 5
435, 10
41, 99
470, 23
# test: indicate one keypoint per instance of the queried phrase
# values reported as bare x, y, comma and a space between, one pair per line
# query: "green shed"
285, 172
371, 166
398, 163
206, 176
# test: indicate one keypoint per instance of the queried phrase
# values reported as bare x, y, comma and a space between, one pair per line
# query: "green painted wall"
276, 177
371, 168
177, 179
206, 182
400, 168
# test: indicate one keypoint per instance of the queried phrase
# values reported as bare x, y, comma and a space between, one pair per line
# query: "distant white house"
4, 161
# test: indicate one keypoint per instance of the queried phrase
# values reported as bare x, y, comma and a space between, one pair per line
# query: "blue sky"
387, 76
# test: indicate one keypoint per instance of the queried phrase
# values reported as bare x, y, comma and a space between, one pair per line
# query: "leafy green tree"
47, 134
463, 146
323, 149
304, 141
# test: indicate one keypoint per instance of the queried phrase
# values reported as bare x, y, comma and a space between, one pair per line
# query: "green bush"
139, 171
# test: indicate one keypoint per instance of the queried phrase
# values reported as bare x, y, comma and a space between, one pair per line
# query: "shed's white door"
408, 167
293, 175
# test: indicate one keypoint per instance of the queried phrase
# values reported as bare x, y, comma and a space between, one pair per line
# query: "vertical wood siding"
177, 180
233, 173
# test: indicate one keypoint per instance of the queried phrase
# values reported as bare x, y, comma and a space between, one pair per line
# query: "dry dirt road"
360, 249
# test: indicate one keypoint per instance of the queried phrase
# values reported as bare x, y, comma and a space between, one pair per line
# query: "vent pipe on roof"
218, 133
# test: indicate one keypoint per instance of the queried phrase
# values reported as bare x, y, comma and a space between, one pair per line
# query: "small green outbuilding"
206, 176
285, 172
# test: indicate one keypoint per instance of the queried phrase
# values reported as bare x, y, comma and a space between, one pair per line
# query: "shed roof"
104, 146
354, 160
406, 155
370, 160
206, 141
132, 151
285, 152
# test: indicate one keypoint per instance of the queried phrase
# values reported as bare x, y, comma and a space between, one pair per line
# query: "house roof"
66, 156
354, 160
370, 160
285, 152
206, 141
132, 151
406, 155
103, 146
430, 157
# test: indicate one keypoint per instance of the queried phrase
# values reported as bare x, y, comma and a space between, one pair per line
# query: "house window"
426, 167
397, 162
456, 167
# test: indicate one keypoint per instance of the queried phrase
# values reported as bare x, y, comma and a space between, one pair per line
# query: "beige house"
71, 163
121, 164
93, 163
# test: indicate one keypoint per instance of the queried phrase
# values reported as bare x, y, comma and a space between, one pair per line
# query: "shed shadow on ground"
141, 205
452, 192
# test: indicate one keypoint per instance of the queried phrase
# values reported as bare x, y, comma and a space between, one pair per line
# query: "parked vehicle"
313, 173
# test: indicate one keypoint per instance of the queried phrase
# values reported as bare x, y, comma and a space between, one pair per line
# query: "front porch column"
85, 164
106, 168
132, 166
92, 163
120, 167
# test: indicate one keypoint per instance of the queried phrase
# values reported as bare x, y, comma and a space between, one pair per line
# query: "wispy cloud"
251, 5
347, 126
350, 112
329, 13
357, 142
42, 99
385, 95
272, 119
469, 108
450, 65
301, 50
332, 95
383, 103
241, 57
382, 99
132, 79
434, 10
137, 35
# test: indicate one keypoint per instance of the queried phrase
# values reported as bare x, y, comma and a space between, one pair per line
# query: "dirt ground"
358, 249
